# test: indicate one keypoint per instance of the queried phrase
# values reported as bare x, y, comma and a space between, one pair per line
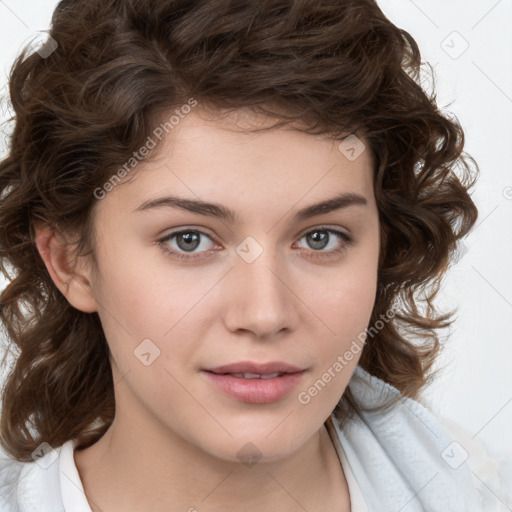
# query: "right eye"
186, 241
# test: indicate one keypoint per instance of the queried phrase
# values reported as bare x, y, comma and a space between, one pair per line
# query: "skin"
174, 442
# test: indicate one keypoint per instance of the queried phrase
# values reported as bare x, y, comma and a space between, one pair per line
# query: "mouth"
252, 369
255, 382
253, 375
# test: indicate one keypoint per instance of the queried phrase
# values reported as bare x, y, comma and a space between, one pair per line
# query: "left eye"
190, 239
319, 237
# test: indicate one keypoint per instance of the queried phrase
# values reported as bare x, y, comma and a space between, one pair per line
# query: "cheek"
346, 310
346, 300
354, 304
153, 316
345, 306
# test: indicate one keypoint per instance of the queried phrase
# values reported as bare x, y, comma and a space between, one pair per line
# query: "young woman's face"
267, 285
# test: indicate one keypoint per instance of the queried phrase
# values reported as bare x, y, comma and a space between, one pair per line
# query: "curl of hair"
79, 113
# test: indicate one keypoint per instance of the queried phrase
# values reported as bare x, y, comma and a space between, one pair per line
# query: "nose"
259, 298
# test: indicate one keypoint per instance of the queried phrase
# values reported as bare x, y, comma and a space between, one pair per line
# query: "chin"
262, 442
253, 452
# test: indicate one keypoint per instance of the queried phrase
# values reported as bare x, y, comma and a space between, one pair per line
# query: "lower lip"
255, 391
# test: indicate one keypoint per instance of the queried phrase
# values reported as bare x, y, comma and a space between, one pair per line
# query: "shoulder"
30, 486
403, 454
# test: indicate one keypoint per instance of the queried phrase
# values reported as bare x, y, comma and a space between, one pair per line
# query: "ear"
69, 274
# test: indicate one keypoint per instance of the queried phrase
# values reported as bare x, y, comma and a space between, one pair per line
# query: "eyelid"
186, 229
325, 227
303, 232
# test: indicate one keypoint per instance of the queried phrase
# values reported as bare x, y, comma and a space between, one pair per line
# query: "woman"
277, 363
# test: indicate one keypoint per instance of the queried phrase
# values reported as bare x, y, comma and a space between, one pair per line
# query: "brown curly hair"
81, 110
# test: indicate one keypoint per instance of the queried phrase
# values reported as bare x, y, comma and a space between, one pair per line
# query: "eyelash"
347, 241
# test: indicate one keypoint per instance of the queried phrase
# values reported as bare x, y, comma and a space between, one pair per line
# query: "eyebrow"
216, 210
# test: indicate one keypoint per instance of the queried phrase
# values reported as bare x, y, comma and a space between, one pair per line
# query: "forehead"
206, 157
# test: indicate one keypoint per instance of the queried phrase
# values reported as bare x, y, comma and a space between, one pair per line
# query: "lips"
255, 382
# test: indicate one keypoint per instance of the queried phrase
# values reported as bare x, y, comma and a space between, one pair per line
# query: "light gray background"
474, 83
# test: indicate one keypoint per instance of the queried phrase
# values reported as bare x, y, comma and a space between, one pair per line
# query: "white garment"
402, 460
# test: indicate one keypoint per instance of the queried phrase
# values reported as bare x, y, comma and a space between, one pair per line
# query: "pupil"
319, 238
188, 238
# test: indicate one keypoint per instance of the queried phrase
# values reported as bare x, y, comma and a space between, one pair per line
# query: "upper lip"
257, 368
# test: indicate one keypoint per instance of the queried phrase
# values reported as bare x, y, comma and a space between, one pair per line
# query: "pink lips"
263, 382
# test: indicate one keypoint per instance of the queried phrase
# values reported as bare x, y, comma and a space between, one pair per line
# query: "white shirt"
401, 460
